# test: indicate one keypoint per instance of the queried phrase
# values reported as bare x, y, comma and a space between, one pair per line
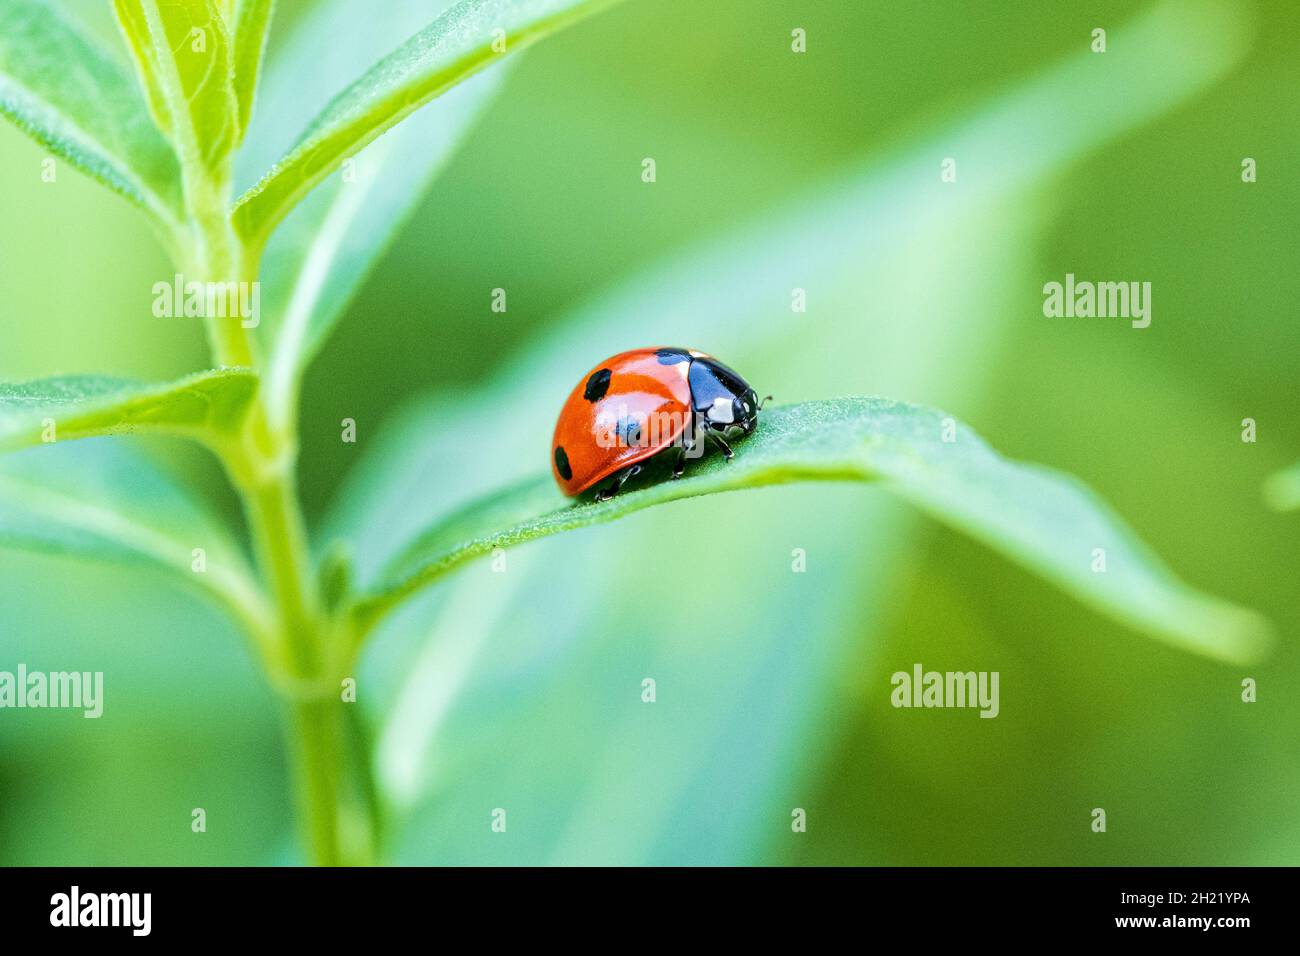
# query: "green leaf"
450, 49
69, 95
1046, 521
208, 406
183, 55
1282, 490
252, 25
106, 501
319, 258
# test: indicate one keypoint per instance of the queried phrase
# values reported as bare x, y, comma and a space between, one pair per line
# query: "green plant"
172, 149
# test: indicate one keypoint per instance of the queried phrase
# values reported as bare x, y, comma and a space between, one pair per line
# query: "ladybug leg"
686, 450
718, 440
610, 490
679, 466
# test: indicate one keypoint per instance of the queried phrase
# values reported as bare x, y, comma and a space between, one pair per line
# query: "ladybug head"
727, 402
734, 415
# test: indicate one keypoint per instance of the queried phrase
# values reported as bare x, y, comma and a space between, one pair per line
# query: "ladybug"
643, 403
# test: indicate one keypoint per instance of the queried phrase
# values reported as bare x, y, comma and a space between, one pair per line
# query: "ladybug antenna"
765, 400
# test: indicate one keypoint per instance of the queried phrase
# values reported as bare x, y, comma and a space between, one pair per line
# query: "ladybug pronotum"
644, 403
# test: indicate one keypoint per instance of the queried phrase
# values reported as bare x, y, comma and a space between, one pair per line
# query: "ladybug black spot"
629, 432
562, 463
597, 385
672, 356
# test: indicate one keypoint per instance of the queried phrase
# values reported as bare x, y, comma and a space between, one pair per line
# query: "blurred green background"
775, 170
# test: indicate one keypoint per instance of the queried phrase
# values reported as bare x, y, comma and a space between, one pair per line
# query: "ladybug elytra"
643, 403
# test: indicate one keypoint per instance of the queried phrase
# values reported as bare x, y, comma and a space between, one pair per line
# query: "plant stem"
262, 467
315, 729
315, 724
280, 541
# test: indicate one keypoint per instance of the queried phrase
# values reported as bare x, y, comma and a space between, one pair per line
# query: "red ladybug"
639, 404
